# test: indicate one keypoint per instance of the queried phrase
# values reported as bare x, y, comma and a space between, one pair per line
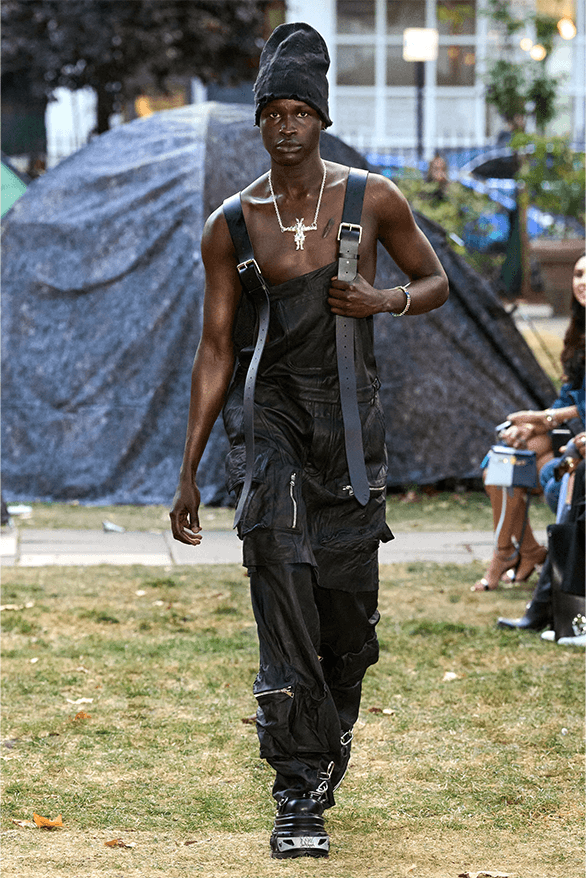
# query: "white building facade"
373, 95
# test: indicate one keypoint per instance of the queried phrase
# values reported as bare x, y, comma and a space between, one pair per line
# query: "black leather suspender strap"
349, 236
256, 287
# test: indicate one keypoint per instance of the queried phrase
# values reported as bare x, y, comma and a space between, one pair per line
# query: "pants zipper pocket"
288, 690
292, 481
373, 490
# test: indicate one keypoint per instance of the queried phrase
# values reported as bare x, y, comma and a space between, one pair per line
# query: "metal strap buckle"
350, 227
247, 264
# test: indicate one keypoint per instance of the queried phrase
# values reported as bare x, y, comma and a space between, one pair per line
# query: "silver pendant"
299, 228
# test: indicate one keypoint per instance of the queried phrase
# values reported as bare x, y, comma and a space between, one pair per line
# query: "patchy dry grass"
435, 511
480, 771
133, 518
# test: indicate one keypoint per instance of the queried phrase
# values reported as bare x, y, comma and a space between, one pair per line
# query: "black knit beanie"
293, 65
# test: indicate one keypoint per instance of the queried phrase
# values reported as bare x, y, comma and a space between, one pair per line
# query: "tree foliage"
520, 88
121, 48
553, 175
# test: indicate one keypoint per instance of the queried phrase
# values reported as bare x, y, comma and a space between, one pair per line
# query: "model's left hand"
356, 299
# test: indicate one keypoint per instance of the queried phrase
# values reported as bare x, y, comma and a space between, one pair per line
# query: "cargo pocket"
259, 507
274, 720
375, 449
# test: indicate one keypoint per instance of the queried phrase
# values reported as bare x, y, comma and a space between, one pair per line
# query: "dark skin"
290, 131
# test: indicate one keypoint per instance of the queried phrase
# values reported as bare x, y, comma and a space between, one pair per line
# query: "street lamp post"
419, 84
420, 45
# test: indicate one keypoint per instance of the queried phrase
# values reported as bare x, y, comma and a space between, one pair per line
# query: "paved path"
30, 547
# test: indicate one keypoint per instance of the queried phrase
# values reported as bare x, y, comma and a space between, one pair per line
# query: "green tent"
13, 187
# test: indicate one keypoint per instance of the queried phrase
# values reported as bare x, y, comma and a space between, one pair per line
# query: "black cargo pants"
312, 555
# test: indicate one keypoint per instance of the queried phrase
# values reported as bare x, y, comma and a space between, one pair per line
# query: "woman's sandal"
528, 563
501, 561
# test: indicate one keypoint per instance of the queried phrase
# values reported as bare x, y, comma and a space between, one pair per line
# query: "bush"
457, 208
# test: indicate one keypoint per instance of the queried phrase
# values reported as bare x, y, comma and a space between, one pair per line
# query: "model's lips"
288, 144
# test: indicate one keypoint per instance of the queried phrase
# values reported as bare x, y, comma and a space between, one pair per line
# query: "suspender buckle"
248, 263
350, 227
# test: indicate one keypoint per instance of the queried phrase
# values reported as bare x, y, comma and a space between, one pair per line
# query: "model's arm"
212, 370
410, 249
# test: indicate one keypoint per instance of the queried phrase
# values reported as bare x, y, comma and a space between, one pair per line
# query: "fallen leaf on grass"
24, 824
119, 843
82, 715
483, 874
46, 823
249, 720
375, 710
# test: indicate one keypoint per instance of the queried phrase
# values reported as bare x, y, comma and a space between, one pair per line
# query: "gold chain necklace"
299, 228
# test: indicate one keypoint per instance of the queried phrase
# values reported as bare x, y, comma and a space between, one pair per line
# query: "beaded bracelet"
407, 304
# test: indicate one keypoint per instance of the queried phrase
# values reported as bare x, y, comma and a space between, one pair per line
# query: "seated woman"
539, 612
517, 546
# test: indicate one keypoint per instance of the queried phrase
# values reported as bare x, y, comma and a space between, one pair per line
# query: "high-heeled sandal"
502, 561
527, 564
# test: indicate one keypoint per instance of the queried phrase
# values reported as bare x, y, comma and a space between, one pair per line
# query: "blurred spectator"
516, 544
437, 172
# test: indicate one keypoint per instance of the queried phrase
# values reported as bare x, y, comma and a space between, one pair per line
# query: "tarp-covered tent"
102, 288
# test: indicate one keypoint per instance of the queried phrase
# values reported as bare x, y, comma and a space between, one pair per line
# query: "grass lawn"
127, 705
412, 511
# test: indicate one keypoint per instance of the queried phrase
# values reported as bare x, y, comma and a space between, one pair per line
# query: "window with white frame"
370, 71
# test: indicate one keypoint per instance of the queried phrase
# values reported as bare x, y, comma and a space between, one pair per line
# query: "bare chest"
294, 247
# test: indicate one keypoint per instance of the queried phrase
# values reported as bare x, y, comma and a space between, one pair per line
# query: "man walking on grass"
287, 353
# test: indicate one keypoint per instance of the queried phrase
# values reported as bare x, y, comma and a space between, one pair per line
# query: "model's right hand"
185, 515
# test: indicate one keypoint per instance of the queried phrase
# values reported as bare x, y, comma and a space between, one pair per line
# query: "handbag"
511, 467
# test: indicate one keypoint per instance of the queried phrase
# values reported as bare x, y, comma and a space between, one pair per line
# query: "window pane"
355, 65
456, 17
456, 65
404, 13
401, 122
355, 115
355, 16
455, 119
399, 72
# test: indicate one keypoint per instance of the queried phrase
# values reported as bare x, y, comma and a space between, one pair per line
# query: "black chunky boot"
299, 830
